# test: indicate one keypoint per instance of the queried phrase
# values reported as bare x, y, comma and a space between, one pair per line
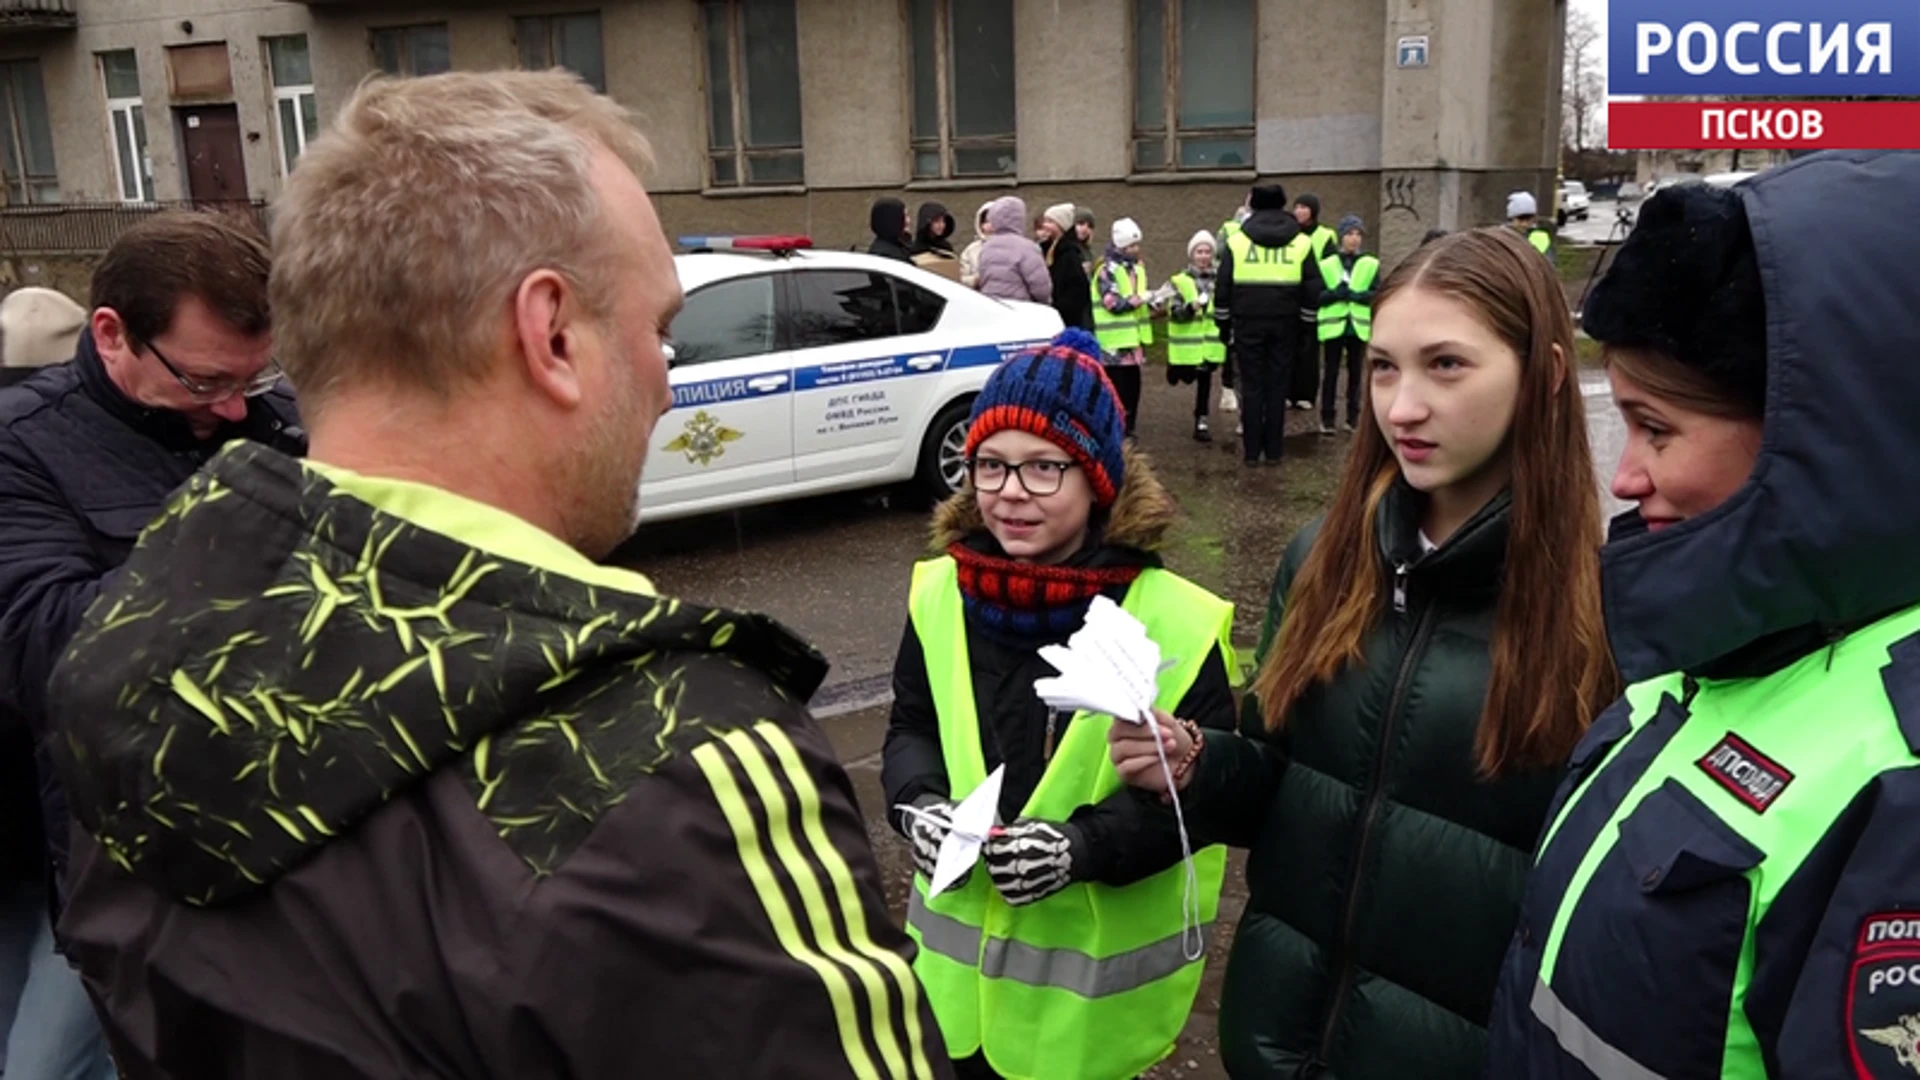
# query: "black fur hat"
1267, 197
1686, 284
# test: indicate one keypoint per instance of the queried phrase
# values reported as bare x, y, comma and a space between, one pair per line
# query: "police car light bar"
746, 243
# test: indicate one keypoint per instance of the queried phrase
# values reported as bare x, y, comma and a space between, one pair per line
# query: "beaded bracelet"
1193, 751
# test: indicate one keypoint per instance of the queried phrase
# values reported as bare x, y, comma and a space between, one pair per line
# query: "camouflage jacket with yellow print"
492, 809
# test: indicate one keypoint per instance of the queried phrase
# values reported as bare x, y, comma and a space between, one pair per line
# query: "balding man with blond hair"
380, 772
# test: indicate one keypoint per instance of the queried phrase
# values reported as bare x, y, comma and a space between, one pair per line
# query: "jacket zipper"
1371, 813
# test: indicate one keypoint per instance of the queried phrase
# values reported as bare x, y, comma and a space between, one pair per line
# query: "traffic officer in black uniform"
1729, 885
1267, 278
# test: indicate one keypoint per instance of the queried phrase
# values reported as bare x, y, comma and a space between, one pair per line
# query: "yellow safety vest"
1197, 341
1334, 316
1324, 239
1093, 982
1256, 265
1540, 239
1118, 331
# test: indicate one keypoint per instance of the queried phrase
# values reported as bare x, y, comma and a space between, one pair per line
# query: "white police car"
798, 372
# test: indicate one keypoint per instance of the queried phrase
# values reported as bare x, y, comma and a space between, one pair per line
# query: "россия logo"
1763, 47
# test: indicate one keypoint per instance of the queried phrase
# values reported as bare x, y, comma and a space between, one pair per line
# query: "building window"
753, 93
413, 50
26, 138
293, 100
568, 41
963, 120
1193, 84
127, 119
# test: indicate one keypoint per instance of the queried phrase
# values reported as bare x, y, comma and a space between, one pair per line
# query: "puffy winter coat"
1011, 266
82, 472
1385, 875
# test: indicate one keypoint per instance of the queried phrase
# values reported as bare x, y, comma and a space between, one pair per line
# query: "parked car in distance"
798, 372
1575, 204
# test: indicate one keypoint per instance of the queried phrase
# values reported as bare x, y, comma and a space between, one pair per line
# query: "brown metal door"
216, 165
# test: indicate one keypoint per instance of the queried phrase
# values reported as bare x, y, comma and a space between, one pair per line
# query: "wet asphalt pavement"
835, 569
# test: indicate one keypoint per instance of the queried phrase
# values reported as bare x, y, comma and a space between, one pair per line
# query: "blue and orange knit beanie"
1060, 393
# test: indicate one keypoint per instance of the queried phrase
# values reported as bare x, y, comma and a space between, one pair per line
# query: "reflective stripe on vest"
1540, 240
1062, 968
1334, 318
1604, 1061
1195, 341
1256, 265
1720, 721
1118, 331
1091, 982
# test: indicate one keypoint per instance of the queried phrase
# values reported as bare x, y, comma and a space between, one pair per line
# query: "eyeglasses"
1036, 477
209, 391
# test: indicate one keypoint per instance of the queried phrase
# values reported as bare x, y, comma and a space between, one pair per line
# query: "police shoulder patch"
1752, 777
1883, 997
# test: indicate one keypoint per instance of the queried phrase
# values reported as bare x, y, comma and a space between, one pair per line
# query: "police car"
798, 371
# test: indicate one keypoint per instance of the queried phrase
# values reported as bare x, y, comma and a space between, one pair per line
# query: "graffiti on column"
1401, 189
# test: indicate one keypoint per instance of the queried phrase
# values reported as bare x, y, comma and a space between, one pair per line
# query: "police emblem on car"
704, 439
1883, 996
1752, 777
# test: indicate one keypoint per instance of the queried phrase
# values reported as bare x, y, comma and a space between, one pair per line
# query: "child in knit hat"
1123, 314
1060, 510
1345, 320
1194, 347
1523, 217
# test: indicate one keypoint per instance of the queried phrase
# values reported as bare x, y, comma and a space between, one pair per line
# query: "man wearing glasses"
176, 360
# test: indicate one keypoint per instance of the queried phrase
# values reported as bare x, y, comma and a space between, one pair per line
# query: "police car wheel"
943, 453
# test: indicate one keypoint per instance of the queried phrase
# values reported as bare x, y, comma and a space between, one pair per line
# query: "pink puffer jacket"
1011, 266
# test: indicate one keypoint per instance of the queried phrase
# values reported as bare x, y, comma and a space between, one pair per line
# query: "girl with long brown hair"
1433, 650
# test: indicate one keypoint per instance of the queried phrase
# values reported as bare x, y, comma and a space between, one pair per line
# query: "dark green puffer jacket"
1385, 875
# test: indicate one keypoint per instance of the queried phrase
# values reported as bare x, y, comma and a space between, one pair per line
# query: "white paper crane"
1109, 666
971, 823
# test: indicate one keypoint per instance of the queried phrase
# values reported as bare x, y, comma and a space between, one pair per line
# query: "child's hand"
1131, 748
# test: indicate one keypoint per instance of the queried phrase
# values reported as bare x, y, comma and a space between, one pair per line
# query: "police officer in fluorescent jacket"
1729, 884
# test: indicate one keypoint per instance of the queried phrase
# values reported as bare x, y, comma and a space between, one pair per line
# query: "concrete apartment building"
792, 115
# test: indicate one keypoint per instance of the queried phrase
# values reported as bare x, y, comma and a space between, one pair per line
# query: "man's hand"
1131, 748
1030, 860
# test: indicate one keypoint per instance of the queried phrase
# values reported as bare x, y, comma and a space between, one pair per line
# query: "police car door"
864, 367
730, 431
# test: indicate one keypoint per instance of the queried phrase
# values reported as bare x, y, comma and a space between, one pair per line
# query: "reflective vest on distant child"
1093, 982
1194, 341
1119, 331
1339, 318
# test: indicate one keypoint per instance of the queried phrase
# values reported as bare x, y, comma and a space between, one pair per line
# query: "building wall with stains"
1409, 148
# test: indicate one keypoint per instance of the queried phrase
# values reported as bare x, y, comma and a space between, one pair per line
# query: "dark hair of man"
218, 257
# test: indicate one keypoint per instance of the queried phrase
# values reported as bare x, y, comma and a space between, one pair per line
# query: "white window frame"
292, 94
300, 137
120, 115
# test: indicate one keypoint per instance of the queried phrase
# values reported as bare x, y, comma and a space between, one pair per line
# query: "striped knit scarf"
1028, 604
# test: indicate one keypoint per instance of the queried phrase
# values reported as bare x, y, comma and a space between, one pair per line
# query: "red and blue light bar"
772, 242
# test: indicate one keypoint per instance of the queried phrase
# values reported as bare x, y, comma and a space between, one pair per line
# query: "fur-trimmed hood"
1141, 516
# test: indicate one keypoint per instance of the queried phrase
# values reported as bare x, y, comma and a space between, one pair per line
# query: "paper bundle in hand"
1108, 666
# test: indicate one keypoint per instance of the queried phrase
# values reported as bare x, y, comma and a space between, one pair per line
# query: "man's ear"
546, 323
109, 332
